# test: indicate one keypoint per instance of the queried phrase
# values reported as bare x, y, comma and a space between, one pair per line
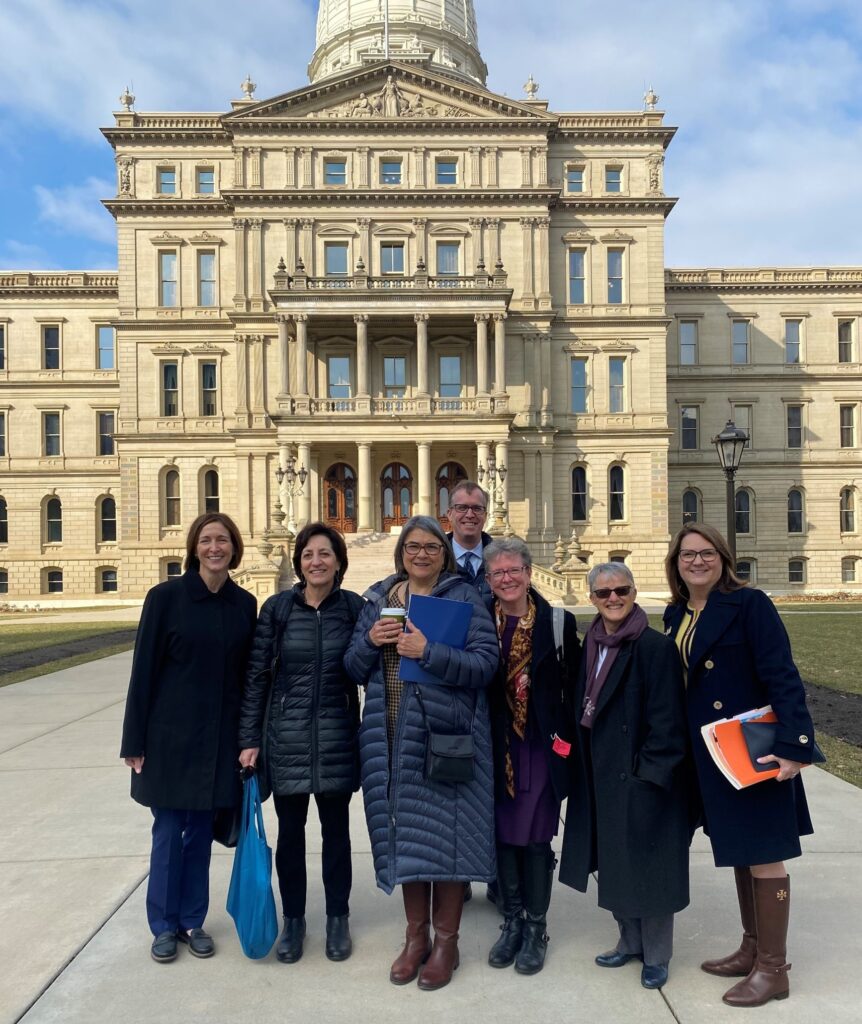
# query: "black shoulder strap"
354, 604
283, 608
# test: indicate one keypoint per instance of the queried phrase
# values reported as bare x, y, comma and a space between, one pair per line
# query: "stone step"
371, 559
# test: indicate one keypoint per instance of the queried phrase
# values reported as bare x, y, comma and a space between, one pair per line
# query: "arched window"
690, 506
108, 520
211, 487
796, 570
54, 581
172, 498
108, 581
579, 494
4, 522
795, 511
848, 570
848, 510
743, 511
617, 493
53, 522
746, 569
172, 569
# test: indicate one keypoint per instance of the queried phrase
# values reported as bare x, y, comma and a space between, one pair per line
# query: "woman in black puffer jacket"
297, 684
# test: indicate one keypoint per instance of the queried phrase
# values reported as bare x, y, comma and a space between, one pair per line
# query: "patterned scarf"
517, 677
629, 630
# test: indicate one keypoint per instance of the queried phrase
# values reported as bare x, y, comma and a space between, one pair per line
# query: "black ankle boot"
539, 863
339, 945
505, 949
289, 947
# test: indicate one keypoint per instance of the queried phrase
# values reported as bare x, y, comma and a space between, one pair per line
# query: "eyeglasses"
413, 547
707, 555
499, 574
462, 510
603, 593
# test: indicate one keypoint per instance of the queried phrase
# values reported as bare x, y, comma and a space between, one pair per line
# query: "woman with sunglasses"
532, 740
627, 813
428, 837
736, 656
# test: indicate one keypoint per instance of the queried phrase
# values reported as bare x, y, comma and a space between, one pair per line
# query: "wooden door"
396, 495
339, 497
448, 475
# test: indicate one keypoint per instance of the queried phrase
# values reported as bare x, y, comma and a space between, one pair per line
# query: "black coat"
740, 660
551, 697
627, 814
311, 738
185, 692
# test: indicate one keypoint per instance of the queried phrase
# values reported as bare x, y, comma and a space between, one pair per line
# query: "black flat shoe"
339, 945
164, 947
289, 947
200, 943
614, 958
654, 975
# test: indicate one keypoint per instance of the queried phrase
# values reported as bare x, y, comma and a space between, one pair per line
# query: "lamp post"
729, 445
295, 479
496, 475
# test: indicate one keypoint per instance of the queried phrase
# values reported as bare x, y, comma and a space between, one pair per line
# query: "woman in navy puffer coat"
425, 832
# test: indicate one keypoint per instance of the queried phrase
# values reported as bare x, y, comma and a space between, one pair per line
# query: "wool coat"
184, 694
627, 816
741, 659
313, 707
422, 830
478, 581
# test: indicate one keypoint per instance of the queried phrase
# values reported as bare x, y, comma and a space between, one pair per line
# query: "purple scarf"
630, 629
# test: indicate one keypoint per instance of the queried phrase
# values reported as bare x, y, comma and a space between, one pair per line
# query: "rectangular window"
613, 179
2, 434
170, 390
740, 337
743, 418
447, 259
109, 581
106, 339
617, 384
209, 390
335, 172
2, 346
848, 570
847, 418
205, 181
335, 258
166, 181
579, 385
450, 376
206, 278
390, 172
50, 347
794, 426
446, 172
106, 433
792, 341
577, 280
574, 179
394, 376
796, 571
338, 376
167, 279
688, 343
688, 439
392, 257
845, 341
615, 276
50, 433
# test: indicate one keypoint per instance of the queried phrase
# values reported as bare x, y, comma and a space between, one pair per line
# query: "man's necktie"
467, 563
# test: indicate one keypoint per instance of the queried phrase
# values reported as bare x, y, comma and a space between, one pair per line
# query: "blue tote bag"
250, 901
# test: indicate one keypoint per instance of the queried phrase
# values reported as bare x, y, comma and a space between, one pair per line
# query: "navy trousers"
178, 891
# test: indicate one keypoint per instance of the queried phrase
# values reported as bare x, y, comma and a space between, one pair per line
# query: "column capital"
254, 223
360, 318
283, 318
239, 222
299, 318
421, 318
500, 317
542, 222
527, 222
420, 222
481, 318
363, 222
289, 222
307, 222
476, 222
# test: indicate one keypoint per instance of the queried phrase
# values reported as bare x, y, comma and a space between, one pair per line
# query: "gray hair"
430, 525
507, 546
610, 569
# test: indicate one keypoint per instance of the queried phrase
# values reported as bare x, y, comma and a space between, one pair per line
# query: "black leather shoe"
164, 947
614, 958
506, 948
654, 975
531, 955
289, 947
339, 945
200, 943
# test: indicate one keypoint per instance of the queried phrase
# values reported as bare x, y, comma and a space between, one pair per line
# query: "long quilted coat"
420, 830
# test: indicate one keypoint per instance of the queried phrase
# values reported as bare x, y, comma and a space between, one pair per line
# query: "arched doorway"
448, 475
339, 497
396, 494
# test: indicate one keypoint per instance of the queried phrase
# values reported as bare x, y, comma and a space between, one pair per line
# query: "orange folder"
726, 744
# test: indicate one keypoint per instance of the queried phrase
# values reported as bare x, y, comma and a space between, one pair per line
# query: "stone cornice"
169, 326
422, 198
192, 207
85, 283
616, 204
778, 279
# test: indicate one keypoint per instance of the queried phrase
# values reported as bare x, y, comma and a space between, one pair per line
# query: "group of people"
612, 726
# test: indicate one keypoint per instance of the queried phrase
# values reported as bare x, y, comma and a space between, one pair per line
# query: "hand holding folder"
441, 621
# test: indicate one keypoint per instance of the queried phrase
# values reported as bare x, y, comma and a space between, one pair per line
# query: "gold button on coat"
709, 663
718, 705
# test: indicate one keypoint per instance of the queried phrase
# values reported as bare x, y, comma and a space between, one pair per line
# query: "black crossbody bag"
449, 757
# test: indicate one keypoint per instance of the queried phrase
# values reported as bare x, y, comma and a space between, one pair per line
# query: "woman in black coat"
627, 814
531, 729
297, 685
180, 727
737, 657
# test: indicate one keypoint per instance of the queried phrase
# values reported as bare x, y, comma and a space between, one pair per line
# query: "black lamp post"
730, 444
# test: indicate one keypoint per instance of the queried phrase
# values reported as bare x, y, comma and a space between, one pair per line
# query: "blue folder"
441, 620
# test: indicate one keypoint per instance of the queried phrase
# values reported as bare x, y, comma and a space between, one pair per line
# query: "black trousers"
334, 813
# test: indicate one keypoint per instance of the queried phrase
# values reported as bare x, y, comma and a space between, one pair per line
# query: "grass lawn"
825, 648
14, 639
842, 759
61, 663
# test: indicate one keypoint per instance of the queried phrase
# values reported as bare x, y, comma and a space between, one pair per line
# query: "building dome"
439, 34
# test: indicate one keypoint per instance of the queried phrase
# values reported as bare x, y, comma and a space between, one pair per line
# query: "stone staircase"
371, 557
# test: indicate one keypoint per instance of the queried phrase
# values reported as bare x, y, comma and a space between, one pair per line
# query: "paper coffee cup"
398, 614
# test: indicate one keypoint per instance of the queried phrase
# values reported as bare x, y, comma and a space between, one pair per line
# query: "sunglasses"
603, 593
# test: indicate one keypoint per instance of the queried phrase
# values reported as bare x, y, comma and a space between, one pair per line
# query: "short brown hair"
334, 538
192, 561
470, 486
729, 580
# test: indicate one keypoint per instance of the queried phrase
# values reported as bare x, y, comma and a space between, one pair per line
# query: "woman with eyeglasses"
736, 656
627, 814
428, 837
532, 741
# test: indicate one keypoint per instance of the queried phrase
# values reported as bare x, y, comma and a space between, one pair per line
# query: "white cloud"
76, 209
15, 255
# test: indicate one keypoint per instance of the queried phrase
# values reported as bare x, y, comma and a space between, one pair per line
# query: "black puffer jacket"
311, 708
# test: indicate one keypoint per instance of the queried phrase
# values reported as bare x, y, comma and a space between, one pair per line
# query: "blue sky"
767, 96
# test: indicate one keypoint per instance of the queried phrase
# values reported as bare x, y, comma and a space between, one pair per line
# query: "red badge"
561, 747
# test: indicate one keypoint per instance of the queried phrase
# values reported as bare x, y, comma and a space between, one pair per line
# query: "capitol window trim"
797, 522
167, 181
107, 579
51, 345
170, 498
688, 325
106, 519
105, 444
52, 433
211, 281
575, 172
168, 278
580, 492
744, 507
330, 175
847, 510
52, 520
618, 511
849, 569
210, 488
692, 505
444, 177
105, 353
797, 570
394, 160
794, 348
51, 580
201, 169
615, 179
846, 338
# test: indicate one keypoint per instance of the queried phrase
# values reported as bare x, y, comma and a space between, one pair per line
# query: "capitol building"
337, 302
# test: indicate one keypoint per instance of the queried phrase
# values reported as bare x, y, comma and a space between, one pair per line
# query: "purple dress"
534, 814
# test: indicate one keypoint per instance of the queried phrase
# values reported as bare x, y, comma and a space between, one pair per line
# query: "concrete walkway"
74, 946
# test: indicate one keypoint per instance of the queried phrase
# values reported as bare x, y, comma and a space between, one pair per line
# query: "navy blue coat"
421, 830
741, 659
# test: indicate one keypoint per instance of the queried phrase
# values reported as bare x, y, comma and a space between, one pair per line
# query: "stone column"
481, 353
362, 165
493, 226
284, 351
538, 382
545, 413
426, 506
305, 244
241, 379
419, 165
502, 454
239, 167
475, 252
303, 504
475, 167
526, 167
547, 456
239, 226
364, 225
530, 384
301, 321
258, 353
255, 246
482, 451
254, 162
421, 353
419, 225
499, 353
283, 456
491, 165
530, 489
543, 282
289, 167
365, 522
361, 321
527, 243
290, 243
305, 168
542, 161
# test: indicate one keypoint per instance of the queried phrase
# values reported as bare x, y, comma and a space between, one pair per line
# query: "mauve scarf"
630, 629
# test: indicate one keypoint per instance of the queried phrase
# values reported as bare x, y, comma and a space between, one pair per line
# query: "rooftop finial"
531, 87
248, 87
650, 99
127, 99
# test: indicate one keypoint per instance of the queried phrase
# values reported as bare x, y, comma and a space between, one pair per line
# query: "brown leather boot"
739, 964
768, 978
417, 944
446, 906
